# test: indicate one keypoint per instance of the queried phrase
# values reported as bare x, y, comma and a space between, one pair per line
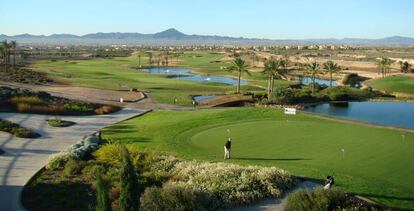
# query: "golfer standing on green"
227, 147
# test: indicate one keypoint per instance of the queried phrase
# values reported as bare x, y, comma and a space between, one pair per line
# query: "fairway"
403, 84
375, 163
120, 73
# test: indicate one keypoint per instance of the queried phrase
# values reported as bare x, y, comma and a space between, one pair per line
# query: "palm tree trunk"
273, 83
330, 81
268, 88
238, 82
8, 57
313, 84
14, 57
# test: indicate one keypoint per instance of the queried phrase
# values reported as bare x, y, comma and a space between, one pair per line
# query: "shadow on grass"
370, 195
129, 140
271, 159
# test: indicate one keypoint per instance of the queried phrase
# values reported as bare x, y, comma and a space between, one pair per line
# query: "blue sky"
276, 19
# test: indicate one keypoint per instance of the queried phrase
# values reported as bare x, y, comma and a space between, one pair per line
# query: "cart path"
25, 157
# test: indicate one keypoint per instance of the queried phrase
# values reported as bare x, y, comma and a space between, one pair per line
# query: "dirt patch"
82, 93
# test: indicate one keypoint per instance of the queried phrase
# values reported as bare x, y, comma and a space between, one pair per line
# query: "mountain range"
175, 37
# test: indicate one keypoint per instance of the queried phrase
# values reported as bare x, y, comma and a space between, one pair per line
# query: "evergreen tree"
129, 196
101, 195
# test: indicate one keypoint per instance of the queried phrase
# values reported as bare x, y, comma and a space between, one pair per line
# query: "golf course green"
371, 161
402, 84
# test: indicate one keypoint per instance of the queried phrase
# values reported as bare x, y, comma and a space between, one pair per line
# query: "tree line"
278, 69
8, 51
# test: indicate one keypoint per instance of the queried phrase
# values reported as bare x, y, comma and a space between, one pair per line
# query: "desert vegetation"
26, 101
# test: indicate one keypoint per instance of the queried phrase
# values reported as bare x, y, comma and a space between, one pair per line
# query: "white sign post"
291, 111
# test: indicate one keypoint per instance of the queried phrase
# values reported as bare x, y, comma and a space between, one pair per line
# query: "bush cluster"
219, 185
290, 96
317, 199
87, 145
112, 153
58, 160
79, 151
352, 79
7, 92
59, 123
79, 107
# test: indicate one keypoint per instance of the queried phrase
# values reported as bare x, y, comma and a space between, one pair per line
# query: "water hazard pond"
188, 75
395, 114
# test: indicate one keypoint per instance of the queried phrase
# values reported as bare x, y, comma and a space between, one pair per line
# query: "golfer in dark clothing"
227, 148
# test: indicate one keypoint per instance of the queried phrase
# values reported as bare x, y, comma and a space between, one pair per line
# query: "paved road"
24, 157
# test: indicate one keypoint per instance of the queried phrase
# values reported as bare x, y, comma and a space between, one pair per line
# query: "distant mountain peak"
169, 33
173, 36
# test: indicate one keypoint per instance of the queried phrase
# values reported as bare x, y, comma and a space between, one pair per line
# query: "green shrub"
292, 96
174, 198
7, 92
59, 123
24, 133
318, 199
7, 126
352, 79
112, 153
103, 203
31, 100
129, 196
16, 130
348, 93
73, 167
92, 169
57, 161
79, 107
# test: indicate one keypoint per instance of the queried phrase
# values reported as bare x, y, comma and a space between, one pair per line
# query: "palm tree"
6, 49
2, 50
274, 69
268, 71
384, 66
405, 66
13, 45
313, 69
330, 67
150, 61
240, 66
139, 59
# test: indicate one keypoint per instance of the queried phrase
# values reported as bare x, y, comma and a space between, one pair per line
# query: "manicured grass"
119, 73
401, 84
377, 162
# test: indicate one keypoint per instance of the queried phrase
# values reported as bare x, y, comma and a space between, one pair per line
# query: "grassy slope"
377, 162
394, 84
